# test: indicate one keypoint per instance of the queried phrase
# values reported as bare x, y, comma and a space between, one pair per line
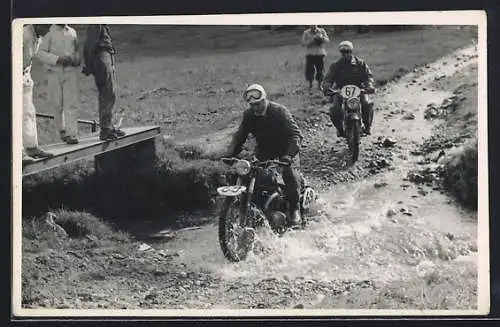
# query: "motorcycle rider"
278, 137
349, 69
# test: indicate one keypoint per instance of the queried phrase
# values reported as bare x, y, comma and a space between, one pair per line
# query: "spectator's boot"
108, 134
27, 159
38, 153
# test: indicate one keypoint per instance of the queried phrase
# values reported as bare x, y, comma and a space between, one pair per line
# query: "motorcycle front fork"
246, 205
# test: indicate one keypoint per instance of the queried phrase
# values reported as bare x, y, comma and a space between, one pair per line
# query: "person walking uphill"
32, 37
99, 60
314, 39
277, 136
61, 56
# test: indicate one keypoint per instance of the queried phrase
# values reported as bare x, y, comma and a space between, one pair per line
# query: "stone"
379, 185
409, 116
391, 213
388, 142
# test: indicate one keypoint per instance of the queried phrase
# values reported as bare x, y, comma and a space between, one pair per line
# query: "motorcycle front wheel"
353, 130
233, 239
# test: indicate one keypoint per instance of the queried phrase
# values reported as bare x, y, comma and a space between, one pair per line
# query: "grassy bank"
180, 180
460, 175
457, 138
54, 246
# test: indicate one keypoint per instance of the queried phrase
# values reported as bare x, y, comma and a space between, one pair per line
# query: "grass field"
189, 79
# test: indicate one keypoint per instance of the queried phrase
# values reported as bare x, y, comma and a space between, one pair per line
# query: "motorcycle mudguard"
308, 197
232, 190
353, 116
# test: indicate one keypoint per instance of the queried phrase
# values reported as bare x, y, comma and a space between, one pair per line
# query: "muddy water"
350, 234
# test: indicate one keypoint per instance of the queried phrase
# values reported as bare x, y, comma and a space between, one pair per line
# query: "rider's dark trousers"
292, 179
337, 114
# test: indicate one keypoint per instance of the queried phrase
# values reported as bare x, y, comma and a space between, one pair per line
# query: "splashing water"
349, 233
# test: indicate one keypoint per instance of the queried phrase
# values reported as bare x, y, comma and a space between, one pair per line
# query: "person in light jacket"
32, 37
60, 53
314, 39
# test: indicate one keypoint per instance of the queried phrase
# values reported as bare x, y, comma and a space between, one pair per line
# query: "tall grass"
178, 182
460, 175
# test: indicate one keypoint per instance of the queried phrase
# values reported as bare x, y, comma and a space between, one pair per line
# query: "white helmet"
346, 45
254, 93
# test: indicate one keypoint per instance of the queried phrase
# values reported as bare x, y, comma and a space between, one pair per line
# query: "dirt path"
375, 239
351, 241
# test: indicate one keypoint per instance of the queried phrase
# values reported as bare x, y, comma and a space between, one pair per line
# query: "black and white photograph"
251, 165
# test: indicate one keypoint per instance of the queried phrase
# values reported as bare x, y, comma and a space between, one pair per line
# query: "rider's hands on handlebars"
369, 90
328, 92
286, 159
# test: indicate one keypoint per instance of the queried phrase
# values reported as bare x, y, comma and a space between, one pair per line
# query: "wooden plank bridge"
140, 137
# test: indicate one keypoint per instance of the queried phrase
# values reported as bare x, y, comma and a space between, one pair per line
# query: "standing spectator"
32, 35
314, 39
99, 60
62, 42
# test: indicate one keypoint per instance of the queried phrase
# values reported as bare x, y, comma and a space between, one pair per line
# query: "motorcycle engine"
269, 179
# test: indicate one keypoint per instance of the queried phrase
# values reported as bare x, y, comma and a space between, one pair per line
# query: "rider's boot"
367, 116
340, 132
295, 218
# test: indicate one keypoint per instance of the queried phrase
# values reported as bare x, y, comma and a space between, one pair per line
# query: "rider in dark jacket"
277, 136
349, 69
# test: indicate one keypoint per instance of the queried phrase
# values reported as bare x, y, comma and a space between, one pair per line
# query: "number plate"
232, 190
350, 91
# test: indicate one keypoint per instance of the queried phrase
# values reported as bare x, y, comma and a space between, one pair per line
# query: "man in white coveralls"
61, 57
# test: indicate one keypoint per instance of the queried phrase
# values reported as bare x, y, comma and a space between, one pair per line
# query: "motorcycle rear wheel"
231, 229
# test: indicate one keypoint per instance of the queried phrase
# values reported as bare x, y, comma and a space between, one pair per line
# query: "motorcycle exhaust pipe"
270, 200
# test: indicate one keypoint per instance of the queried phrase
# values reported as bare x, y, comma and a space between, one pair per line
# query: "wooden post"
135, 158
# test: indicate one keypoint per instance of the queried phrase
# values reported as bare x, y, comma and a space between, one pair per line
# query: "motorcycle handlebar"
231, 161
278, 162
331, 92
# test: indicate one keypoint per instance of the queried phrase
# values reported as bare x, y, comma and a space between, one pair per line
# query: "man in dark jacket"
277, 136
349, 69
98, 55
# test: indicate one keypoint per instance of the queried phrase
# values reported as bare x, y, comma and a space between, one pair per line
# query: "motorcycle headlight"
353, 103
242, 167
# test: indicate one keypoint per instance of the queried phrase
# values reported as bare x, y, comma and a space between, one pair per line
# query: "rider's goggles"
253, 96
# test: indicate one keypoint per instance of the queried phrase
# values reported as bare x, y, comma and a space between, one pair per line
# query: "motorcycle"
255, 199
352, 123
